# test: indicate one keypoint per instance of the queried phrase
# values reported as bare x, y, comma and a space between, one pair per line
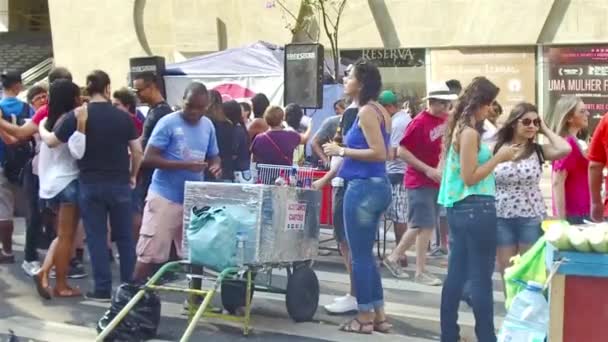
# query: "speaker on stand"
304, 75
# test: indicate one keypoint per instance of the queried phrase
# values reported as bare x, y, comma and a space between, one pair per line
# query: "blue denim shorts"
518, 231
69, 195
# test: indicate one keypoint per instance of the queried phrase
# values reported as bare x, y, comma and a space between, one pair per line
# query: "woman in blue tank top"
368, 193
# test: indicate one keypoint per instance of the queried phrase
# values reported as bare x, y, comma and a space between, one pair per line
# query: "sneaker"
342, 307
428, 279
343, 298
438, 252
30, 268
101, 297
395, 269
77, 270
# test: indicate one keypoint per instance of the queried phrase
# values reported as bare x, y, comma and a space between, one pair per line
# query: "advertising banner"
511, 69
580, 71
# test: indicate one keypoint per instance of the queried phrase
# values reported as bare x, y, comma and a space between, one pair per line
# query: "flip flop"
43, 292
348, 327
383, 327
67, 293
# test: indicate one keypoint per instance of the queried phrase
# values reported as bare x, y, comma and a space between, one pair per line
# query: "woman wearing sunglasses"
520, 207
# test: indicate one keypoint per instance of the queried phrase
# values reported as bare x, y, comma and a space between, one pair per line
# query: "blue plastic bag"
212, 238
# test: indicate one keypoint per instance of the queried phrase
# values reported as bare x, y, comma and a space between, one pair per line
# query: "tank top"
354, 139
452, 187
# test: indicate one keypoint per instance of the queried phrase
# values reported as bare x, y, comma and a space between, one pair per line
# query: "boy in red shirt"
421, 150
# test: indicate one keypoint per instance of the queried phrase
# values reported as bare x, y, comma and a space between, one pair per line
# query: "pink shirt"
423, 138
577, 181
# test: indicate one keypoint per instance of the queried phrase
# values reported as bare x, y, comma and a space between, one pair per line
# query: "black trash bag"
140, 324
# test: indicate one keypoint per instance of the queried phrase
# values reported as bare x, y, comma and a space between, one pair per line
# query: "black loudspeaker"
304, 75
153, 64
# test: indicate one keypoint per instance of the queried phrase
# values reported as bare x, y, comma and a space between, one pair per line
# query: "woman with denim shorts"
467, 191
59, 188
520, 206
368, 193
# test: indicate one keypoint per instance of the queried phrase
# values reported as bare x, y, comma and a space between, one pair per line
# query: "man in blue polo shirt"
182, 146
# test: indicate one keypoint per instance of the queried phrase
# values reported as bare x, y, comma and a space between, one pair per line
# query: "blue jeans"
97, 202
472, 255
364, 202
518, 231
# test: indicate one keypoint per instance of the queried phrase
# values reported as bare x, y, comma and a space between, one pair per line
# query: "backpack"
18, 155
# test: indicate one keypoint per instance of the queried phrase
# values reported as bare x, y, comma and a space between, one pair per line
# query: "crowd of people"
94, 171
452, 167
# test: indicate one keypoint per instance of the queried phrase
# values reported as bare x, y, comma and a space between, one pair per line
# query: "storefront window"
511, 69
403, 70
580, 71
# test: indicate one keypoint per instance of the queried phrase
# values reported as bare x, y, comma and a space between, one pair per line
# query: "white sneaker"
30, 268
343, 298
345, 305
428, 279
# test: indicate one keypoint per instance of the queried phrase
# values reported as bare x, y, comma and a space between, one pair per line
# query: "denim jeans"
472, 255
97, 202
364, 202
33, 228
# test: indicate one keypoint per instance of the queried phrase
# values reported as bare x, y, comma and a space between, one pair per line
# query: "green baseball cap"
387, 97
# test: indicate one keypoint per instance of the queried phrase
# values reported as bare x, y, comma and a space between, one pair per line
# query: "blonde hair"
564, 110
274, 116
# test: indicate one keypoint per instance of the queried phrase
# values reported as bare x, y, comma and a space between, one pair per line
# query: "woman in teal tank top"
467, 191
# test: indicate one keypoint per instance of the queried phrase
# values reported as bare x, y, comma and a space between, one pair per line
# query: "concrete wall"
90, 34
4, 16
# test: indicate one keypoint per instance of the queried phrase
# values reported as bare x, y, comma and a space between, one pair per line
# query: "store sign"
580, 71
296, 215
385, 57
513, 70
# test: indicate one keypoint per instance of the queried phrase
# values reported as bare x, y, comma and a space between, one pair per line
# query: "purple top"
275, 147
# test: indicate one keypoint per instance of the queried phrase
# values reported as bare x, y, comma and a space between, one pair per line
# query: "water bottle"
528, 317
241, 239
293, 177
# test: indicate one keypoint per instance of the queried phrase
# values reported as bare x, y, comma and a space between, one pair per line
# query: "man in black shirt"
107, 175
146, 87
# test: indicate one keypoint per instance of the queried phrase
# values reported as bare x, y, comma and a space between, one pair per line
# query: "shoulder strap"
25, 111
276, 147
539, 153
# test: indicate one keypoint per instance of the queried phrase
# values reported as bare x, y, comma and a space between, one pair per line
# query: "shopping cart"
285, 235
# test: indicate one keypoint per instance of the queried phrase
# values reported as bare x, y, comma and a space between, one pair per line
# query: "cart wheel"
233, 294
302, 298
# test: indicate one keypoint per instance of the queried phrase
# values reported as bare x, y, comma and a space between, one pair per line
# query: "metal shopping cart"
285, 235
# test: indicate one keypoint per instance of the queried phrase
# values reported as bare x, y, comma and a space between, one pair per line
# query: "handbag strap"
277, 148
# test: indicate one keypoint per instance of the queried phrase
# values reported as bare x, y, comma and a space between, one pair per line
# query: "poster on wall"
580, 71
511, 69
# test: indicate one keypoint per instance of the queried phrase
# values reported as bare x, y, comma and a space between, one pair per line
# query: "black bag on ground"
17, 155
140, 324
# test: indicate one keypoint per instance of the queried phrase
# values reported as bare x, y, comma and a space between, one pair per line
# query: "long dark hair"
63, 97
293, 116
368, 75
480, 92
507, 132
97, 82
232, 111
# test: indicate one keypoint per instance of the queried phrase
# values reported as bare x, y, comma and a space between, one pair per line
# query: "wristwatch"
341, 151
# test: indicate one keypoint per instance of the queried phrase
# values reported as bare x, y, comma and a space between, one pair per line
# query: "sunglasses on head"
527, 122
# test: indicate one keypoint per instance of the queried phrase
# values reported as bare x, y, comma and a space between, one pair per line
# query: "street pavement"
412, 308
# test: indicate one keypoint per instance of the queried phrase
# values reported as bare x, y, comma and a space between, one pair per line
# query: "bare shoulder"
372, 110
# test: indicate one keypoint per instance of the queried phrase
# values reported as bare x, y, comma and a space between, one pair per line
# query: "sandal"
383, 327
43, 292
67, 293
348, 327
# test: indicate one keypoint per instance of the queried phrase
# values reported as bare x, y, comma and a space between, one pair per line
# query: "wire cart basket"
283, 234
